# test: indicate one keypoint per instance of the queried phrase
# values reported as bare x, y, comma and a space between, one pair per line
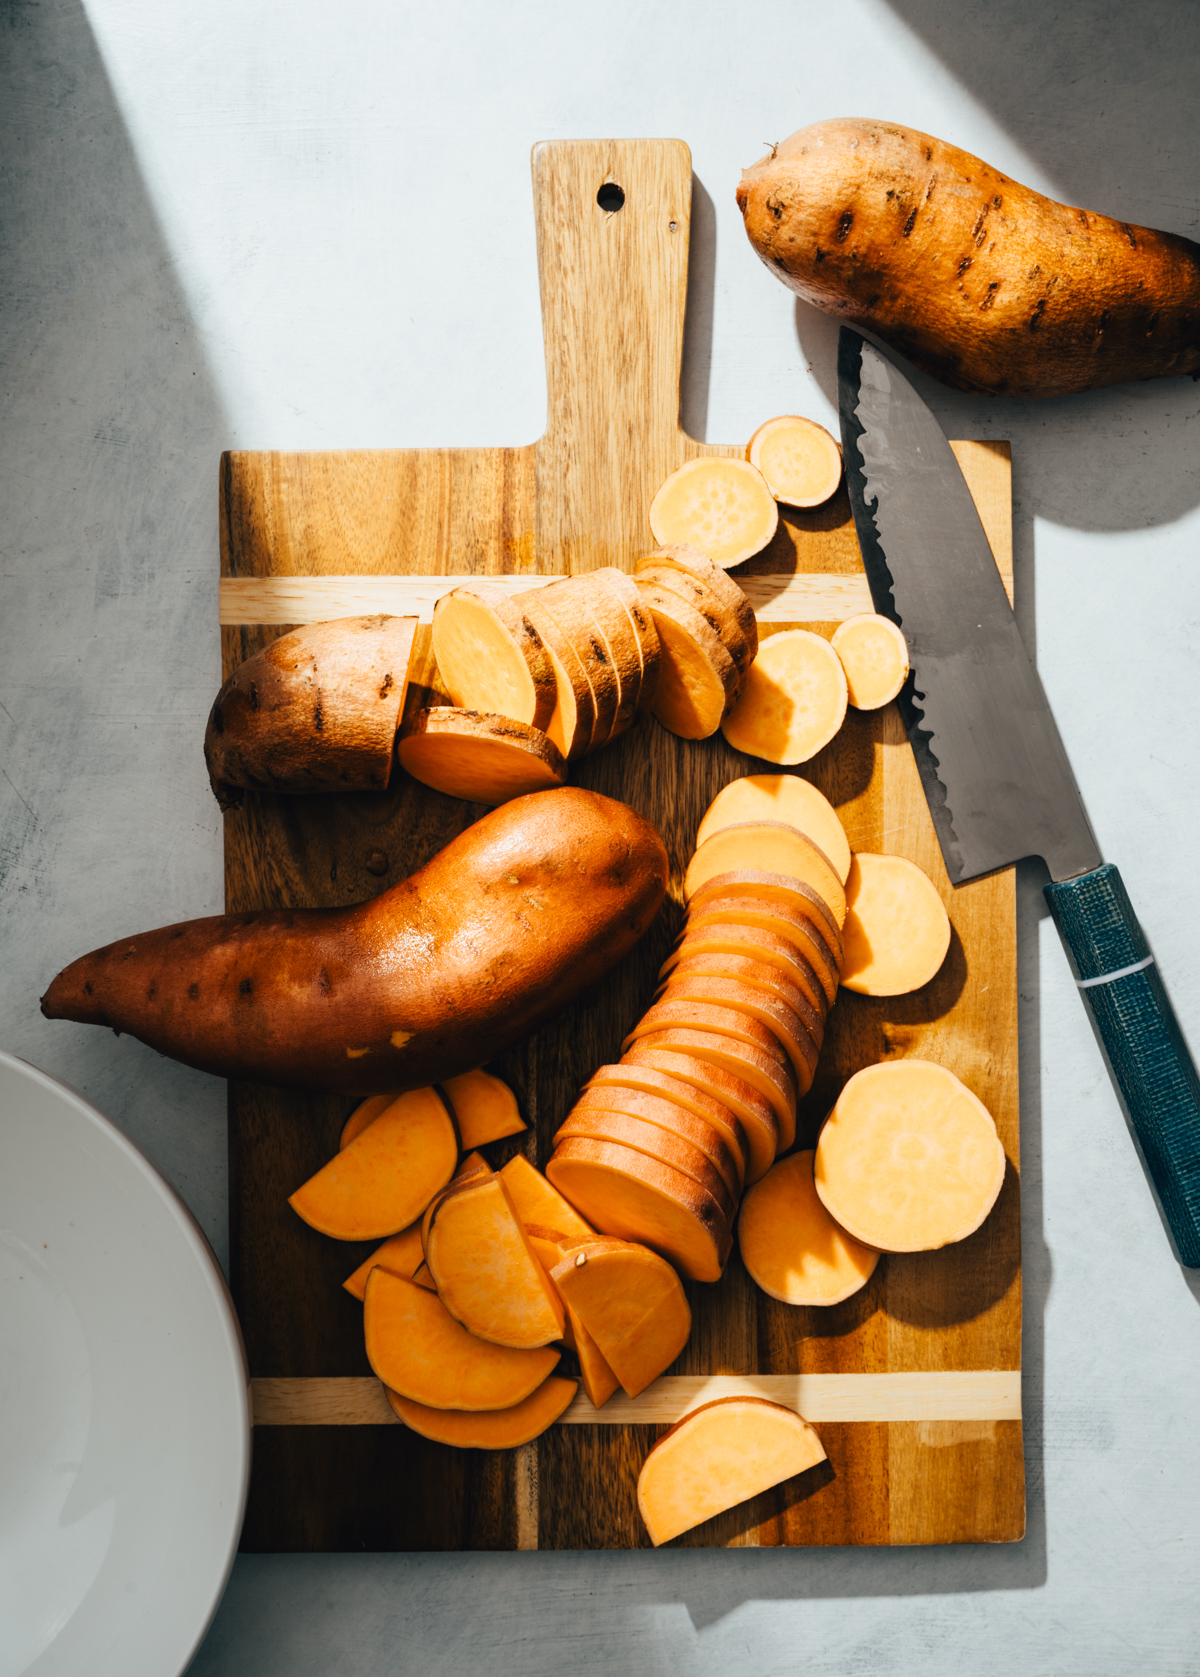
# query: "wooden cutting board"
914, 1383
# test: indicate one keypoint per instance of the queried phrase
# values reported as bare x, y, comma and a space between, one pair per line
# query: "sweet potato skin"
500, 930
981, 282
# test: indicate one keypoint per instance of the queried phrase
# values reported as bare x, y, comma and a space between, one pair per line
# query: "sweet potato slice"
791, 1246
316, 711
758, 1118
620, 639
719, 505
635, 1079
479, 757
599, 1381
697, 679
572, 613
721, 1139
756, 885
794, 699
721, 1454
799, 459
633, 1197
401, 1253
799, 1035
489, 1429
539, 1201
364, 1113
741, 1031
422, 1278
679, 556
791, 984
770, 847
909, 1158
491, 657
897, 930
772, 1078
384, 1180
624, 590
573, 720
658, 1141
813, 937
725, 623
874, 655
716, 938
484, 1107
417, 1348
780, 797
633, 1305
486, 1272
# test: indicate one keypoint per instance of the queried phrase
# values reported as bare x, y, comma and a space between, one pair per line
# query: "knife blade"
992, 763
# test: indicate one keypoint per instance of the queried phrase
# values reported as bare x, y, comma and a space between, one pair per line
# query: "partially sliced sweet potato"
401, 1254
573, 719
659, 1141
631, 1302
724, 917
874, 655
722, 1140
365, 1113
799, 1034
718, 939
479, 757
697, 679
489, 1429
791, 1246
909, 1158
384, 1180
491, 657
569, 609
484, 1107
776, 980
316, 711
486, 1272
794, 699
771, 1078
721, 1454
799, 459
417, 1348
679, 556
620, 641
646, 1080
626, 1194
780, 797
759, 886
739, 1033
725, 623
719, 505
758, 1118
770, 847
539, 1201
897, 930
625, 592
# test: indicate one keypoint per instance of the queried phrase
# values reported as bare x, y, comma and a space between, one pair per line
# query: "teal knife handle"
1119, 981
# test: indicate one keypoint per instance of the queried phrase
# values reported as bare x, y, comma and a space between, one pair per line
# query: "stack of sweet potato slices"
708, 635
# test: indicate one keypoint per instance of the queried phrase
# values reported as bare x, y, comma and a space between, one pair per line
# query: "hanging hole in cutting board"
610, 197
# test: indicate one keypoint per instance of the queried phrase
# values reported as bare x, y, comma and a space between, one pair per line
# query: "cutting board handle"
613, 220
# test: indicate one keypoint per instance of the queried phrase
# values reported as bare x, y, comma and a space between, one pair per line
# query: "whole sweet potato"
503, 928
979, 281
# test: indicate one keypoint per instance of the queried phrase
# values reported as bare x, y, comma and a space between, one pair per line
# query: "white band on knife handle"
1121, 972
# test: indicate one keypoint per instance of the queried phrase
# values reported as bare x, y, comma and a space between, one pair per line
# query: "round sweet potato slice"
620, 640
874, 655
724, 623
573, 719
799, 1035
758, 1118
490, 656
792, 986
562, 603
625, 591
774, 888
897, 929
717, 938
711, 1139
771, 1077
773, 847
644, 1081
482, 759
697, 679
656, 1143
489, 1429
799, 459
703, 1016
791, 1246
794, 700
780, 797
679, 556
719, 505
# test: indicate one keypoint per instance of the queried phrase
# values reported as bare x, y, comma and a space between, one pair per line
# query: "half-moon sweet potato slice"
697, 679
479, 757
780, 797
484, 1107
633, 1197
573, 719
799, 459
631, 1302
316, 711
791, 1246
794, 699
722, 1140
401, 1253
417, 1348
790, 984
599, 1381
758, 1118
717, 939
485, 1270
769, 847
725, 623
364, 1113
489, 1429
645, 1080
491, 657
539, 1201
721, 1454
679, 556
908, 1159
897, 930
874, 655
658, 1141
719, 505
772, 1078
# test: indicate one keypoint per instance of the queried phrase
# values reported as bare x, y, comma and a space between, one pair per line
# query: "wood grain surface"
613, 290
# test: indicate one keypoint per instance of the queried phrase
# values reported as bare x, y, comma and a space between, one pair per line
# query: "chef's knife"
996, 777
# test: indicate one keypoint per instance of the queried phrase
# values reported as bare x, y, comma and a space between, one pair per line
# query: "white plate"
124, 1421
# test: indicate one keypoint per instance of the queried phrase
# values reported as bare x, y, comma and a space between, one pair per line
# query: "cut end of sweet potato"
780, 797
791, 1246
721, 506
489, 1429
897, 931
486, 1272
874, 655
799, 459
484, 1108
491, 658
908, 1159
481, 758
718, 1456
632, 1304
794, 700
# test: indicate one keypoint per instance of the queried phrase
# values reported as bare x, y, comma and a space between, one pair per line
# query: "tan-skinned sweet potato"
500, 930
316, 711
979, 281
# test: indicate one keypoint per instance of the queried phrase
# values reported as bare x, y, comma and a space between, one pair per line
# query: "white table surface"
277, 223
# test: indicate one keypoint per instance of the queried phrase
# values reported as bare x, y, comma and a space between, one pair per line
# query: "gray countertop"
260, 224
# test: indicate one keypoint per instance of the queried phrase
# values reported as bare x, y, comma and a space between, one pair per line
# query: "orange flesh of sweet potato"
780, 797
631, 1302
680, 556
772, 847
757, 885
383, 1181
599, 1381
477, 756
719, 505
897, 929
874, 656
574, 716
793, 702
485, 1270
417, 1348
657, 1142
539, 1201
633, 1197
316, 711
749, 1065
791, 1246
401, 1254
766, 1065
490, 656
909, 1158
722, 1139
720, 921
777, 980
660, 1085
799, 459
484, 1107
758, 1118
721, 940
799, 1034
500, 930
718, 1456
422, 1278
489, 1429
364, 1114
724, 622
697, 678
624, 593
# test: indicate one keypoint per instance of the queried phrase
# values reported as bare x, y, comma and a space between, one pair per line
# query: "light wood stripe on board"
956, 1395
